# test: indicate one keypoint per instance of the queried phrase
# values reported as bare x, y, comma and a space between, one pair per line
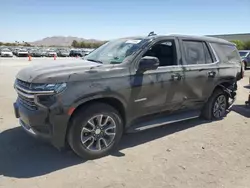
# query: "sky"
30, 20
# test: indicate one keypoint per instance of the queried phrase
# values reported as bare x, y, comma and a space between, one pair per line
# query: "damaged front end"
36, 108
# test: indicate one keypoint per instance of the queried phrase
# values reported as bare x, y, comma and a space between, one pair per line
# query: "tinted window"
226, 53
243, 54
164, 51
207, 54
194, 52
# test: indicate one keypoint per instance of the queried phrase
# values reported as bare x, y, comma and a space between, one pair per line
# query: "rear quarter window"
227, 53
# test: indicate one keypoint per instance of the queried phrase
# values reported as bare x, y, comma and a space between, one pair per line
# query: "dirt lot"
190, 154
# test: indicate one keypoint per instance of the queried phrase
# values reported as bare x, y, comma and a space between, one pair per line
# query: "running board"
157, 122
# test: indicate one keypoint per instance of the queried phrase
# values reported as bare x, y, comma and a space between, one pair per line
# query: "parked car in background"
127, 84
87, 51
22, 53
76, 53
5, 52
43, 52
51, 53
15, 50
245, 56
36, 53
63, 53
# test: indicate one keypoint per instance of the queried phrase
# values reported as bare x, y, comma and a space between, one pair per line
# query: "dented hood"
57, 71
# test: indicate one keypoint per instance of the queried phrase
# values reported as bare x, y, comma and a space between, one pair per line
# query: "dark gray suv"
129, 84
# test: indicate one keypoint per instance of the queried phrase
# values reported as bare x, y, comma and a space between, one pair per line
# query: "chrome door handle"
211, 74
176, 77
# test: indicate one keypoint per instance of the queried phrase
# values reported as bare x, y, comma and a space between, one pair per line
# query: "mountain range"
67, 41
61, 41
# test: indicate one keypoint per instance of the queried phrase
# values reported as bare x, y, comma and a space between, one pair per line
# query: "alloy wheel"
98, 133
220, 106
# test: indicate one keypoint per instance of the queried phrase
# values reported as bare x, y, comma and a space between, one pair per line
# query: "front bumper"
64, 54
23, 55
37, 55
51, 55
46, 124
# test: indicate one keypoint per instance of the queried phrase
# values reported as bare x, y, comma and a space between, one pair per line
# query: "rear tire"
216, 106
95, 131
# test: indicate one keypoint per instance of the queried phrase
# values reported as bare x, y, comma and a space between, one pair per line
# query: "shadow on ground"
242, 110
22, 156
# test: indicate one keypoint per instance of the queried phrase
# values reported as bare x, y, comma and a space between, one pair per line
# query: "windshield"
23, 50
243, 54
6, 50
114, 52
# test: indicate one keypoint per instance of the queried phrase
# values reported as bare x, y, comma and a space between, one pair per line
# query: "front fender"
100, 95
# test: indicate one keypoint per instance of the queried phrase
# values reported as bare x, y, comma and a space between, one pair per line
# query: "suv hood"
56, 71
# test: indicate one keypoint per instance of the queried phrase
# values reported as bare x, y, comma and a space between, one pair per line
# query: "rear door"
200, 69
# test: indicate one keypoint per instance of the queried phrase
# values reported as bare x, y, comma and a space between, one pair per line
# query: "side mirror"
148, 63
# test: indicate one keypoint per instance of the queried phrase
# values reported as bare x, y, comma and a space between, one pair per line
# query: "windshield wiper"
96, 61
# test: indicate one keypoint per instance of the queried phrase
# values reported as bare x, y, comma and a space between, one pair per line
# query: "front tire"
216, 106
95, 131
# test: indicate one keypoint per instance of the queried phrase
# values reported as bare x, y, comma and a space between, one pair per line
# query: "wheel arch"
116, 102
222, 85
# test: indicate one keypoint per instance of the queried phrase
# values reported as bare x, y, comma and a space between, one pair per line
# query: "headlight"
57, 88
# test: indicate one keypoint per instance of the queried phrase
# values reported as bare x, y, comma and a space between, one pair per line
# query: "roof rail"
151, 34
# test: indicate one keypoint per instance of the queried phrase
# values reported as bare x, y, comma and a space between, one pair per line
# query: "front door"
158, 90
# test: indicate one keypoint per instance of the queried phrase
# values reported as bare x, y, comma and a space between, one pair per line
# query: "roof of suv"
203, 38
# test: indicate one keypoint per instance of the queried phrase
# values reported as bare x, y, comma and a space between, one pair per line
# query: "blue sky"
29, 20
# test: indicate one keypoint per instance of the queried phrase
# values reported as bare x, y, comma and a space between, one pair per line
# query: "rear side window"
227, 53
196, 52
207, 54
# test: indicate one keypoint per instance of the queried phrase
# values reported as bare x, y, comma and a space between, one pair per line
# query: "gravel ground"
190, 154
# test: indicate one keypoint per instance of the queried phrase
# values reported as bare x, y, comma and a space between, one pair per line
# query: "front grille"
24, 98
26, 94
28, 103
23, 84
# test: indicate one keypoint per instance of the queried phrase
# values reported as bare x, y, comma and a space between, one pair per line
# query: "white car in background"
51, 53
5, 52
87, 51
22, 53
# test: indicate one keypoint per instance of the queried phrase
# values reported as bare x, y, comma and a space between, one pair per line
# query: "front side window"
165, 51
